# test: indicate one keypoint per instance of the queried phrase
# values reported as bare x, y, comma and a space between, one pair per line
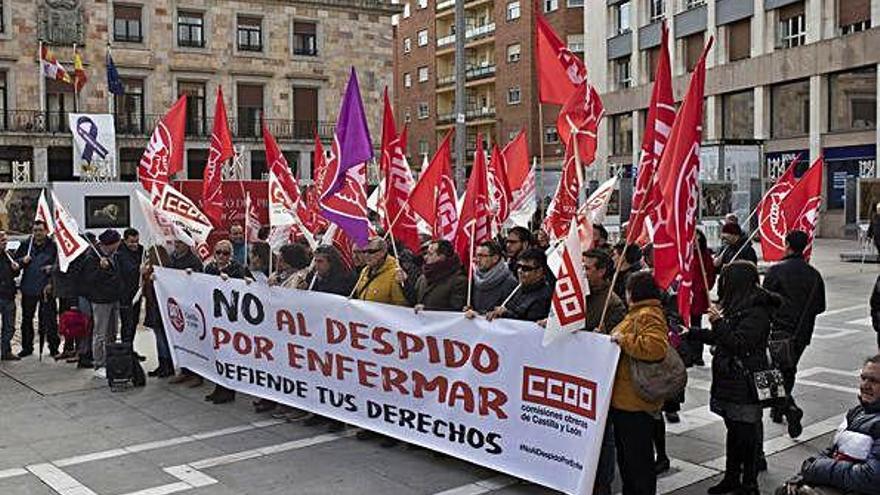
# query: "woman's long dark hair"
738, 286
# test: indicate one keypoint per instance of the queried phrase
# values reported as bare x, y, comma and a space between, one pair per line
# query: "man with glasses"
8, 271
492, 281
598, 267
531, 299
519, 239
442, 285
104, 283
225, 267
381, 280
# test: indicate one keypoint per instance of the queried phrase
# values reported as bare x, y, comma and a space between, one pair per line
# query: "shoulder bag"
657, 381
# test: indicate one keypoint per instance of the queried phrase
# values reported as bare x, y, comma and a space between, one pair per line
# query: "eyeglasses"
527, 268
482, 255
368, 251
225, 253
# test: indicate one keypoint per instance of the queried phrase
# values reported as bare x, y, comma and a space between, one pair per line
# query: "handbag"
768, 385
658, 381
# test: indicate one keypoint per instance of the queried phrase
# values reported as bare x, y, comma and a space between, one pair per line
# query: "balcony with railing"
445, 80
475, 72
477, 112
445, 40
445, 4
141, 125
480, 31
445, 118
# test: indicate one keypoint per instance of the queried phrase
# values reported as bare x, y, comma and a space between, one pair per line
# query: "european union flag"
114, 84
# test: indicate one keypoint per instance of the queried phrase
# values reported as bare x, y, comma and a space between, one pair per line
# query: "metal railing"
483, 30
445, 4
480, 112
446, 40
445, 80
136, 125
479, 72
445, 118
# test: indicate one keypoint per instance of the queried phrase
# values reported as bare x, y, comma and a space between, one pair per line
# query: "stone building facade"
285, 61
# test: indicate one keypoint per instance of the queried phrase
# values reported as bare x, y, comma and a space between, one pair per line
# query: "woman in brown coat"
641, 336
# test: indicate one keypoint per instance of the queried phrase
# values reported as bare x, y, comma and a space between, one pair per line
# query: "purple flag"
343, 198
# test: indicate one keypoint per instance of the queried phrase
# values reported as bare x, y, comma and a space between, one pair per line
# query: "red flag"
474, 225
565, 202
389, 134
678, 171
219, 152
344, 245
568, 309
502, 194
433, 198
771, 217
163, 156
661, 116
801, 206
516, 156
309, 209
580, 117
399, 184
251, 220
559, 70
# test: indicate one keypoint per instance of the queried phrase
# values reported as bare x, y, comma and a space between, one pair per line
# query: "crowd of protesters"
104, 291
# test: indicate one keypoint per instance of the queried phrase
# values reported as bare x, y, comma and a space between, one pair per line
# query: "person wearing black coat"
740, 330
130, 256
531, 299
36, 257
8, 270
737, 246
874, 227
875, 310
803, 295
225, 267
104, 290
331, 275
492, 281
183, 258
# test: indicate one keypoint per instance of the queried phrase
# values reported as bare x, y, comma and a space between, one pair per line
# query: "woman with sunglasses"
224, 266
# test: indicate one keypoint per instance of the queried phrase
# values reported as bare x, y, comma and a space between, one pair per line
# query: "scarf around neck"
491, 277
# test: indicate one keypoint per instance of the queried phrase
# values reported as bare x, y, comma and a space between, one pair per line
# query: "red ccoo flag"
771, 216
661, 116
516, 156
580, 118
219, 152
434, 197
559, 70
565, 202
801, 206
399, 184
475, 223
163, 156
678, 171
502, 193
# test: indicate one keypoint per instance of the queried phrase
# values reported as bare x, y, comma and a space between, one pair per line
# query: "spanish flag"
79, 72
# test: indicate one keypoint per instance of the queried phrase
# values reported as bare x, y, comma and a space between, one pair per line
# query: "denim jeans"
7, 328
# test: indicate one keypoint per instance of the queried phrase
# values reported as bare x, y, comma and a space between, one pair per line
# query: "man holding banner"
36, 256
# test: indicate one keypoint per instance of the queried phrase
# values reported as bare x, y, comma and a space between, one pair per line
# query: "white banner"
94, 143
489, 393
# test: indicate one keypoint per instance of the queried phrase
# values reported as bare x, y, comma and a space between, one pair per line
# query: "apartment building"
784, 78
501, 81
285, 61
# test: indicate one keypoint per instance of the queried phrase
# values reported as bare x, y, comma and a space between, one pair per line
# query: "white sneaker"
101, 373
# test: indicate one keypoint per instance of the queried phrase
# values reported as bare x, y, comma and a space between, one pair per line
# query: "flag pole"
75, 82
541, 157
471, 263
42, 78
109, 93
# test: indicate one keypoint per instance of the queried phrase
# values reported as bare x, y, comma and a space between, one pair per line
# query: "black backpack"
123, 366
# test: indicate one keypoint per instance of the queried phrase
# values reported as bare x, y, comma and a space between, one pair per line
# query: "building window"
692, 4
791, 30
738, 111
621, 17
2, 17
423, 4
250, 34
652, 58
406, 12
407, 117
739, 40
852, 100
423, 111
551, 135
551, 5
196, 115
423, 37
790, 109
423, 147
656, 10
693, 48
575, 43
130, 107
250, 109
407, 45
575, 3
514, 95
853, 16
3, 115
129, 158
514, 52
407, 80
305, 112
622, 74
195, 163
59, 102
423, 74
621, 134
191, 29
126, 24
305, 38
513, 11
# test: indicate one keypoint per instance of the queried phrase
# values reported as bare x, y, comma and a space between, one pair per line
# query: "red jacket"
700, 303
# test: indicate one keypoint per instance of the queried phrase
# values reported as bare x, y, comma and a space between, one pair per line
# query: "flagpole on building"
42, 78
109, 93
75, 82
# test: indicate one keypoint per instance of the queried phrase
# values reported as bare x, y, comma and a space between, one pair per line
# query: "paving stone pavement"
62, 432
